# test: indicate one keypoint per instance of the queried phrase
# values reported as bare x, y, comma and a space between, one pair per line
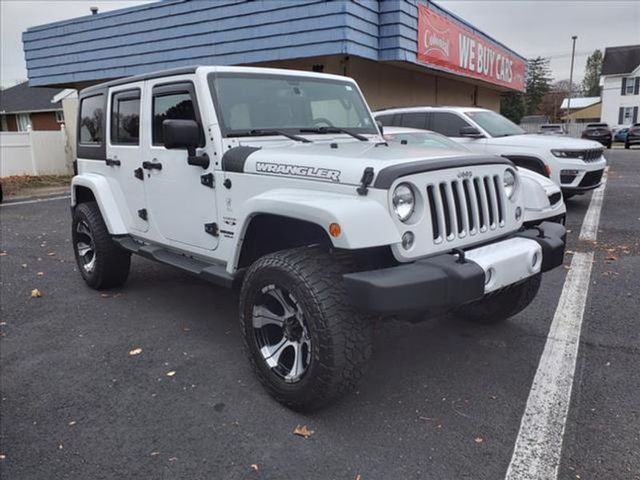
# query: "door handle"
112, 162
151, 165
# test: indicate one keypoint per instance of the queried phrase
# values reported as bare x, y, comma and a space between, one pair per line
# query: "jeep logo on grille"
465, 174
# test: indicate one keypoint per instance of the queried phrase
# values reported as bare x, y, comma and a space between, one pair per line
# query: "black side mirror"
380, 127
180, 134
470, 132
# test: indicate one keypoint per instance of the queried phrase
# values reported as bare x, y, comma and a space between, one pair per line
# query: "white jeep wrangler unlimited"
279, 182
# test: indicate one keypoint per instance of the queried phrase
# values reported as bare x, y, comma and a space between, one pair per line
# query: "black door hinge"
211, 229
142, 213
365, 181
207, 180
138, 173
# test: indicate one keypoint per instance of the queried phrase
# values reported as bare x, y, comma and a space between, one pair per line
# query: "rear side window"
386, 120
92, 120
414, 120
446, 123
173, 105
125, 118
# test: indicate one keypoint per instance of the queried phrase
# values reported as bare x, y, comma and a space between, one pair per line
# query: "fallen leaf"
153, 454
51, 254
105, 295
35, 293
60, 447
171, 373
40, 274
173, 459
2, 456
478, 439
358, 477
72, 423
3, 254
254, 467
135, 351
611, 258
185, 329
302, 431
24, 265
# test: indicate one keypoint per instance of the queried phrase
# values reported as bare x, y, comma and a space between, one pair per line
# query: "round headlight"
404, 201
509, 183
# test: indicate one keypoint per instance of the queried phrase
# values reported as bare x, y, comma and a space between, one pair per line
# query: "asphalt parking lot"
442, 399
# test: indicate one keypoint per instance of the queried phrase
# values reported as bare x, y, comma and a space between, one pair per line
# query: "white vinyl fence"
572, 129
34, 153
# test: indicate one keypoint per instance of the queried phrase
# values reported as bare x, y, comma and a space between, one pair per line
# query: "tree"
552, 100
537, 84
592, 71
512, 106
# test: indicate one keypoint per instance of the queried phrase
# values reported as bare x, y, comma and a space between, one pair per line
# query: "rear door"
181, 203
124, 154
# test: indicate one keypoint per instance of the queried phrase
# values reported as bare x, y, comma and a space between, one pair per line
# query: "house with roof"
621, 85
24, 108
583, 110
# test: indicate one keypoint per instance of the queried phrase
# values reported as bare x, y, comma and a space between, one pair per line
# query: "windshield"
254, 102
494, 124
424, 139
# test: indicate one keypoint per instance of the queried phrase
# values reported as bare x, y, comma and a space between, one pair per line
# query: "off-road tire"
498, 306
111, 262
341, 337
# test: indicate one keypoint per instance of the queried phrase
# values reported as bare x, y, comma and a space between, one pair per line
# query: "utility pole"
573, 54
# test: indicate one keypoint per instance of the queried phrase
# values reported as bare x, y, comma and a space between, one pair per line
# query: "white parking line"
538, 448
591, 220
37, 200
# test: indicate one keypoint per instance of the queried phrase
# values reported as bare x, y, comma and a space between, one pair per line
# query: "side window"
175, 105
448, 124
386, 120
92, 120
125, 118
414, 120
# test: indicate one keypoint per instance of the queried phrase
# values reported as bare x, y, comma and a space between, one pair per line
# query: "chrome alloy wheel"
85, 247
281, 333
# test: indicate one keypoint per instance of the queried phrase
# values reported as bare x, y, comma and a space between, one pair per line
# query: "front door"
124, 151
181, 203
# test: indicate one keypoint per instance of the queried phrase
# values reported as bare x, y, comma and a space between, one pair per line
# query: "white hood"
546, 142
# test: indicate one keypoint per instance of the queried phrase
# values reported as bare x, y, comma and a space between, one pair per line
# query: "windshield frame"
213, 76
473, 114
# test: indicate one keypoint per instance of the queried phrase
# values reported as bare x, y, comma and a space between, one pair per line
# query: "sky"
531, 28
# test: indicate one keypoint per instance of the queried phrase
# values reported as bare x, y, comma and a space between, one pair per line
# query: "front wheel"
498, 306
307, 345
101, 262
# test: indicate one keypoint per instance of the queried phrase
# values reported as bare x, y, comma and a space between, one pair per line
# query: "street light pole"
573, 54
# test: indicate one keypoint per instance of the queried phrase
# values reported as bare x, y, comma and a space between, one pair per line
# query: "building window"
4, 127
627, 115
178, 106
23, 120
629, 85
92, 120
125, 118
59, 116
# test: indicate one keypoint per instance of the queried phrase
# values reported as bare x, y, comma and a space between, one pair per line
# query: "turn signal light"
335, 230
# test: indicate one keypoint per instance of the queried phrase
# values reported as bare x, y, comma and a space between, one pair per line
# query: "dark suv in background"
633, 136
600, 132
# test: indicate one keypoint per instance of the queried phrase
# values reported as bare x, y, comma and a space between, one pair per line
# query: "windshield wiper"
267, 133
362, 138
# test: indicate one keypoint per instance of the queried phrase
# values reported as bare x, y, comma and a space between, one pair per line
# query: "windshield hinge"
207, 180
365, 181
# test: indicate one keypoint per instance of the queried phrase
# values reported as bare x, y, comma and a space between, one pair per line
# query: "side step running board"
215, 274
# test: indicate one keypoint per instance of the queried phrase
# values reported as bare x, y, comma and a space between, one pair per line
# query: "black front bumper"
440, 281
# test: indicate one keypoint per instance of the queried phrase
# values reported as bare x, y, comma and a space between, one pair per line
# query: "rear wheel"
307, 345
498, 306
101, 262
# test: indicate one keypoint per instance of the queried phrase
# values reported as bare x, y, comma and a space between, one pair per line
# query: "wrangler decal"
299, 171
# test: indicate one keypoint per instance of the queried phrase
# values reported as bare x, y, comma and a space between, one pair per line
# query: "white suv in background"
575, 165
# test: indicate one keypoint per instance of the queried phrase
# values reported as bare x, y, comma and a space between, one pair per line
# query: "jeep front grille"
592, 155
466, 207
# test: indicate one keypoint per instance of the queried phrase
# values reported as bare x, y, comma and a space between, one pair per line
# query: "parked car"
620, 135
543, 198
633, 136
576, 165
552, 129
279, 182
600, 132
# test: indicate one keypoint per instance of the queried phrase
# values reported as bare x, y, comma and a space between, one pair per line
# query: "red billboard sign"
446, 45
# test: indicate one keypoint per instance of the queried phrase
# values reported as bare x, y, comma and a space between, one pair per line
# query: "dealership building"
401, 52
